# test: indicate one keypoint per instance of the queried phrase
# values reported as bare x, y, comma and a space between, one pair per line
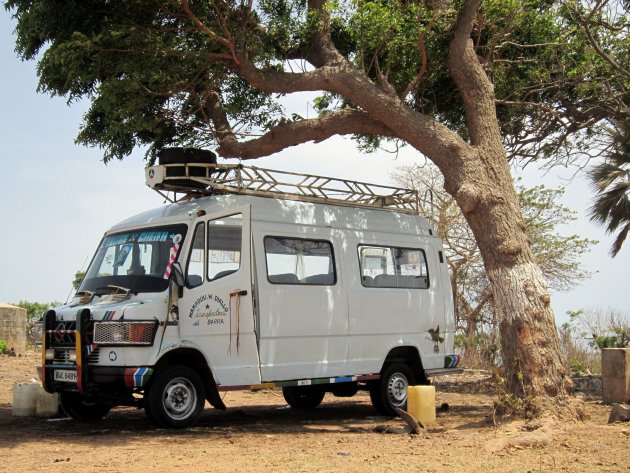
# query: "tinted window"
385, 266
299, 261
225, 236
195, 270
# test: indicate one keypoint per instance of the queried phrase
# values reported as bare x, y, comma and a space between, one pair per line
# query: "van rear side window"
393, 267
299, 261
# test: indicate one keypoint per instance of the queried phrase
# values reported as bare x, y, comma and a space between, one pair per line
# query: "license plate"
68, 376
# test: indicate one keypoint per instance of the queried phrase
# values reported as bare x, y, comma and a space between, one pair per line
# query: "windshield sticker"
177, 239
121, 257
141, 237
208, 309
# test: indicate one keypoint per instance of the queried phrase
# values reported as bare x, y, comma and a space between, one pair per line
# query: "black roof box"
186, 155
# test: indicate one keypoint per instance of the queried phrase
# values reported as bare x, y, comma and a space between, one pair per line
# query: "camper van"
254, 279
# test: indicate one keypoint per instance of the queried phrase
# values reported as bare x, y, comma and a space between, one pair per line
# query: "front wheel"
83, 409
303, 397
390, 391
175, 398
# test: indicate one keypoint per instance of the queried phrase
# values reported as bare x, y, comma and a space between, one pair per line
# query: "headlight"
50, 354
125, 333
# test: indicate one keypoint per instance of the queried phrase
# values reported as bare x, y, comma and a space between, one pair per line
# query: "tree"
422, 73
34, 313
35, 310
78, 279
559, 256
611, 181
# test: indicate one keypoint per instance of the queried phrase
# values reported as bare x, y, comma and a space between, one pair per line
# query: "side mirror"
178, 275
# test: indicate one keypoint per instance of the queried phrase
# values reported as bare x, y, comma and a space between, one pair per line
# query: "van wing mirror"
178, 275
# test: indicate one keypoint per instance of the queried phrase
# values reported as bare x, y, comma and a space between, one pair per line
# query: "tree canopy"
197, 73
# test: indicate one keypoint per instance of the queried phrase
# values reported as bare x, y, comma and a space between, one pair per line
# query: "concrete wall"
13, 326
616, 375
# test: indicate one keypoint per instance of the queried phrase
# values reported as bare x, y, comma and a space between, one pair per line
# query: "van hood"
140, 307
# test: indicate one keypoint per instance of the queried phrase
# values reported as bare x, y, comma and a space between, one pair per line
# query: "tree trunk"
531, 353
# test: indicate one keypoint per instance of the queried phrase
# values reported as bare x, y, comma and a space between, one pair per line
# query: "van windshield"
139, 260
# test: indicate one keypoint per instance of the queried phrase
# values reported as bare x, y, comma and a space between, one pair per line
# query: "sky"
57, 198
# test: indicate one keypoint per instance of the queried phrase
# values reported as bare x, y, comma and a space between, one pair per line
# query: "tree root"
560, 408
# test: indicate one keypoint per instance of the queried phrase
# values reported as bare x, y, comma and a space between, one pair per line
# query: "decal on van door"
208, 309
435, 338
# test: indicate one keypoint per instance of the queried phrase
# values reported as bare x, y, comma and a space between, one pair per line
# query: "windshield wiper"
116, 291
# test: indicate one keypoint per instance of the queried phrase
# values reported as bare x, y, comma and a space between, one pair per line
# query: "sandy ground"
259, 432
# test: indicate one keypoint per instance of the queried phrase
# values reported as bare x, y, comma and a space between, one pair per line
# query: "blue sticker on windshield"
122, 255
142, 237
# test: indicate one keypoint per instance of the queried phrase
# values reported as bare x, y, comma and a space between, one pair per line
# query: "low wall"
590, 384
13, 326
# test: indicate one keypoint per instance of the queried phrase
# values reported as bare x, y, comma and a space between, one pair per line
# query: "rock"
619, 413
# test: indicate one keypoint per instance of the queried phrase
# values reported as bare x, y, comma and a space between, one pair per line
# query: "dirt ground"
259, 432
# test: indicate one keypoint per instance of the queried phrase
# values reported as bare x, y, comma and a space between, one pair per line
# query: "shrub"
4, 348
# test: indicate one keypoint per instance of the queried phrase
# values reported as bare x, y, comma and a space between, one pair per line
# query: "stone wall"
13, 326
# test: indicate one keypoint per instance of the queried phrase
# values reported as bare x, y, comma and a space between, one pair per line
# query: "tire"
303, 397
82, 409
175, 398
390, 391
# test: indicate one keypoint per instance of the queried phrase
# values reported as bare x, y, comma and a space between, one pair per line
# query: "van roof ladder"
197, 179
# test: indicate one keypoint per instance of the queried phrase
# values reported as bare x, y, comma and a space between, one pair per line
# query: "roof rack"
195, 179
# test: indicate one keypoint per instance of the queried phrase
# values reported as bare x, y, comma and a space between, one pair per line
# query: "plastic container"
31, 400
24, 399
46, 404
421, 404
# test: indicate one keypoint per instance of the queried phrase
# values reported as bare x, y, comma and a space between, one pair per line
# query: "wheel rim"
397, 389
180, 398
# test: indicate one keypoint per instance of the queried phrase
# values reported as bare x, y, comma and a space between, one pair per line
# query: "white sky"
57, 198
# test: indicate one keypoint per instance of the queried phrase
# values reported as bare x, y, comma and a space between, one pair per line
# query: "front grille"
93, 357
124, 333
62, 355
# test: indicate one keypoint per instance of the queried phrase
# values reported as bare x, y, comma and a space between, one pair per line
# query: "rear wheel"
175, 398
83, 409
390, 391
303, 397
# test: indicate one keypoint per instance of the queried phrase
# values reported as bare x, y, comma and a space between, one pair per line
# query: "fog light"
50, 354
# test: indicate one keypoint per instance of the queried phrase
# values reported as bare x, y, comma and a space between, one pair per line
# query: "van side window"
386, 266
194, 270
299, 261
224, 246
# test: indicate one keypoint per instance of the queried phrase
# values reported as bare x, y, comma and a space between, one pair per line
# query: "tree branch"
476, 90
285, 135
225, 42
593, 42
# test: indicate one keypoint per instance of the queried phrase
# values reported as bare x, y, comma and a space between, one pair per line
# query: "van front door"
216, 311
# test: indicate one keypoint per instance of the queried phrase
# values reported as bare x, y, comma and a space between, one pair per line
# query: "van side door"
303, 306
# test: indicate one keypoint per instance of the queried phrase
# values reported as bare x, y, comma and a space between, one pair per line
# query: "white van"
320, 290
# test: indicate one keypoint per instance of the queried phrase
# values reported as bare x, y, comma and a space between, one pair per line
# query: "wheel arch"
194, 359
409, 355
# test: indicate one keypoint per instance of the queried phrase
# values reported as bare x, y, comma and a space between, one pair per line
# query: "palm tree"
611, 182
